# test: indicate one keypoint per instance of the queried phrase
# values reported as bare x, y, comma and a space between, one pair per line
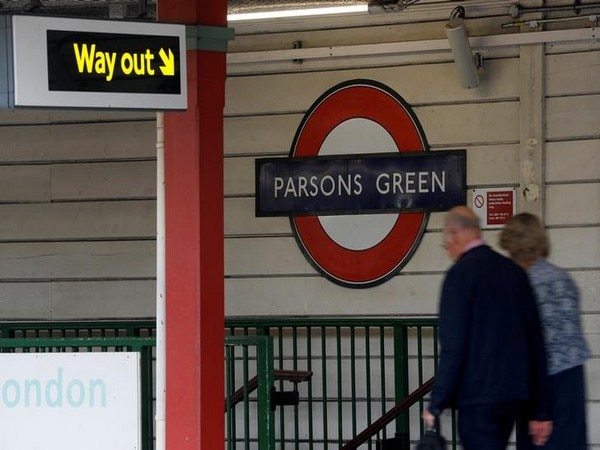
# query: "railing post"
147, 393
266, 381
401, 376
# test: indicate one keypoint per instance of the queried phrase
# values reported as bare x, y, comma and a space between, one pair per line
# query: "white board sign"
69, 401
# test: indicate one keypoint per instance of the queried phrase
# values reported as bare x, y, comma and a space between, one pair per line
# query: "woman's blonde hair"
524, 238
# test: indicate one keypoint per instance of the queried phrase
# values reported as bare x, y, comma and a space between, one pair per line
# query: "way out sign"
81, 63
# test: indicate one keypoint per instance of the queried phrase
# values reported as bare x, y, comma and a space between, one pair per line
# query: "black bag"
431, 440
398, 442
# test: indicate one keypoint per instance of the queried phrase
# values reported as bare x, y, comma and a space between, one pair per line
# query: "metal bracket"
203, 37
283, 398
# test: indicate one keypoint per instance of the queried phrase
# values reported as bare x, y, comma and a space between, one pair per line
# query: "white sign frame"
30, 63
70, 401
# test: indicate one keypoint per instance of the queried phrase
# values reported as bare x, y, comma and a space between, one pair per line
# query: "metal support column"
193, 142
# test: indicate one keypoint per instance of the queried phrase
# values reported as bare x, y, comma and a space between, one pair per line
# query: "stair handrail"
389, 416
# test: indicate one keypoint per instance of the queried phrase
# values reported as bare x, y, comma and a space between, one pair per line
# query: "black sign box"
112, 62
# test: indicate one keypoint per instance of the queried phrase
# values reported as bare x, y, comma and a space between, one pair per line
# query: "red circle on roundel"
374, 265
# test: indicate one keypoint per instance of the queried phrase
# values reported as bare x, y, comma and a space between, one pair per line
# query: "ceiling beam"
427, 46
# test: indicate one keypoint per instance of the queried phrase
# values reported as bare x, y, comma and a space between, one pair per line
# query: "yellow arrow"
168, 67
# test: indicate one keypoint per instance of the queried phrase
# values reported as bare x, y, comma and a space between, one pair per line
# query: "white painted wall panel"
77, 220
415, 294
42, 182
492, 165
260, 134
476, 123
573, 204
64, 254
265, 255
240, 219
77, 300
573, 160
72, 142
127, 299
576, 247
592, 368
24, 116
589, 290
24, 183
573, 117
591, 326
593, 416
26, 301
118, 180
47, 261
239, 176
572, 73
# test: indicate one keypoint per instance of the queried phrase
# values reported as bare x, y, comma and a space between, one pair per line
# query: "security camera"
466, 62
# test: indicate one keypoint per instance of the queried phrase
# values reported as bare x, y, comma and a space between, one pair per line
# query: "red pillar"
194, 242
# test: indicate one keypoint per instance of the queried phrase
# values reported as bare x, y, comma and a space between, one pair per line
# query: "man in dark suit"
492, 364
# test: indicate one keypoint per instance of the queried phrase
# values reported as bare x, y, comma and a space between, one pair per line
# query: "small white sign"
69, 401
494, 206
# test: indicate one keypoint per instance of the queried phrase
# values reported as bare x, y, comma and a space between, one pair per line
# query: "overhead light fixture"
467, 63
285, 13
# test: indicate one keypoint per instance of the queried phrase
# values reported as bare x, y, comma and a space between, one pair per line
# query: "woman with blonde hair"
557, 297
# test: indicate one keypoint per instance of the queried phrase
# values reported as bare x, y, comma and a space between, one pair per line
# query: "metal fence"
360, 369
256, 419
291, 383
61, 337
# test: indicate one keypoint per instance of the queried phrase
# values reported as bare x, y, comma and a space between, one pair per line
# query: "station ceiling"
146, 9
131, 9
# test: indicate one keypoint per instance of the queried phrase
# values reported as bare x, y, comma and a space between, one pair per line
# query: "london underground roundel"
360, 250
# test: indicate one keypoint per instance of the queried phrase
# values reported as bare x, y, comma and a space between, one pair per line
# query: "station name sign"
87, 63
423, 181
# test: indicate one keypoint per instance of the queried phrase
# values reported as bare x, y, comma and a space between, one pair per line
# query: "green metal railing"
263, 366
86, 337
360, 369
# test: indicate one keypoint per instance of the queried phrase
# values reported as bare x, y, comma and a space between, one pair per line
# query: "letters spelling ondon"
93, 61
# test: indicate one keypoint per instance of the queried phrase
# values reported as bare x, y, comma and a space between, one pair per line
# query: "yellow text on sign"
90, 60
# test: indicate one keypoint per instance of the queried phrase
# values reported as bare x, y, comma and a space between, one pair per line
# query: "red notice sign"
499, 207
494, 206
